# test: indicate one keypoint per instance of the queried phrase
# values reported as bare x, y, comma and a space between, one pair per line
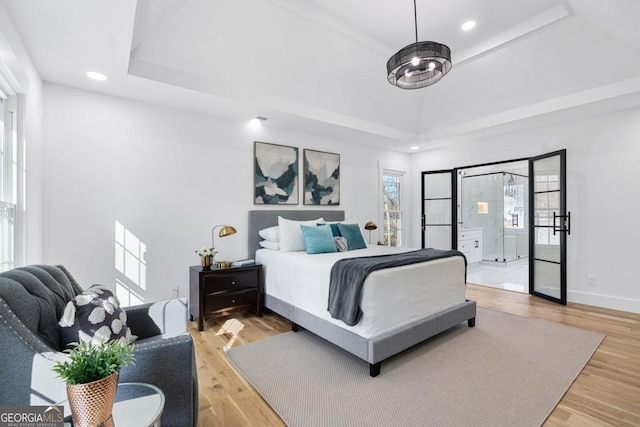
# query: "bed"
425, 299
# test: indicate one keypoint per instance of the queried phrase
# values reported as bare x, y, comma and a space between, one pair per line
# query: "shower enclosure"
497, 203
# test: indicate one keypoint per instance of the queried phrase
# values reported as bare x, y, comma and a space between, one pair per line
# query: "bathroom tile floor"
513, 276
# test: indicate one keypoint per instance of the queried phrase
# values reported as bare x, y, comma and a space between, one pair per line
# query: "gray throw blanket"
348, 276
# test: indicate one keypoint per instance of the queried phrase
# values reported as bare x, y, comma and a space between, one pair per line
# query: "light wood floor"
606, 393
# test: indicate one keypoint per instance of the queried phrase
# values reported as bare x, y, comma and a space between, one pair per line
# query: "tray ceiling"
319, 65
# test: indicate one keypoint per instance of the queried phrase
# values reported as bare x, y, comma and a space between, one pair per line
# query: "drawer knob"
233, 283
233, 301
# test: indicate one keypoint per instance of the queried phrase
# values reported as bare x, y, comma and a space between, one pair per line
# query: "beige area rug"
507, 371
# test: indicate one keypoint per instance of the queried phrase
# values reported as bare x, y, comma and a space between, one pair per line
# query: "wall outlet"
591, 280
175, 292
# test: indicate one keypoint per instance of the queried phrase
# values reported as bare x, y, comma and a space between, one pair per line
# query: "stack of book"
243, 262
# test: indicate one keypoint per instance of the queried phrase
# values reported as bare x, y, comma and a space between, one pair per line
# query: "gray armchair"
32, 300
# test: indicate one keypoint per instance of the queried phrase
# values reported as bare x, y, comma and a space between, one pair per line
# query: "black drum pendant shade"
433, 62
420, 64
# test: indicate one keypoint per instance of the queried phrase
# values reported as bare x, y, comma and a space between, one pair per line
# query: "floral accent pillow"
341, 243
95, 315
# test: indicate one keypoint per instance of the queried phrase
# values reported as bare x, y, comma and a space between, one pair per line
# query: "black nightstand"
222, 291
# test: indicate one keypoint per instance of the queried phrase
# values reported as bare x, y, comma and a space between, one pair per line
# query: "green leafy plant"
89, 362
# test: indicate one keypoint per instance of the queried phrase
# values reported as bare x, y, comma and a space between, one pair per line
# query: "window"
392, 208
514, 201
12, 170
8, 187
7, 236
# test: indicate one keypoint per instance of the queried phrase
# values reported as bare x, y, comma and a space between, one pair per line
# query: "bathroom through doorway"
493, 232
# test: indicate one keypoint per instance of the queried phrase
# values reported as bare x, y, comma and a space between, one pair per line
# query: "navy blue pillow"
353, 235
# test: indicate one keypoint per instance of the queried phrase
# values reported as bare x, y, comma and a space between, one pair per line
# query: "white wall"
17, 69
168, 176
603, 153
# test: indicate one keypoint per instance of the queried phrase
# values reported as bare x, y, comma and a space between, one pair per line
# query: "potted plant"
206, 255
91, 374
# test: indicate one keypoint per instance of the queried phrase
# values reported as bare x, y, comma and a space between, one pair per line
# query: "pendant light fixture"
420, 64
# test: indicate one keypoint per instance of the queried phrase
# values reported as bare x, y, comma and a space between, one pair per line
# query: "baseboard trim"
605, 301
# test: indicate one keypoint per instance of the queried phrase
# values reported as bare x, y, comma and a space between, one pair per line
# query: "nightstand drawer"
230, 280
232, 299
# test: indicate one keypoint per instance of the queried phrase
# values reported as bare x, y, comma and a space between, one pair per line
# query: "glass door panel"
547, 278
549, 226
437, 237
437, 185
438, 213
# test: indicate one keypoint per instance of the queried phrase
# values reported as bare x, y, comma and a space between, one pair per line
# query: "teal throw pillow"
353, 235
334, 229
318, 240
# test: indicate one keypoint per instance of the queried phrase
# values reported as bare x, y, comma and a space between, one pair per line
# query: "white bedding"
390, 298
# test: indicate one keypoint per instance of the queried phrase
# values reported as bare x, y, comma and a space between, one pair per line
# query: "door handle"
565, 226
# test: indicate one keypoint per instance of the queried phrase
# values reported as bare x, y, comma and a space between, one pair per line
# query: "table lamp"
370, 226
225, 230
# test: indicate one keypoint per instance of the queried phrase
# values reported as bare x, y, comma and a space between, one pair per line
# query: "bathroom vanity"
470, 244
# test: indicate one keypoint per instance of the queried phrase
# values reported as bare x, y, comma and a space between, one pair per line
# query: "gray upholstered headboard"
260, 219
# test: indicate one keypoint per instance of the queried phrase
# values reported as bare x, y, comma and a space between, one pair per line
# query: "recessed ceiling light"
257, 121
414, 147
469, 25
96, 76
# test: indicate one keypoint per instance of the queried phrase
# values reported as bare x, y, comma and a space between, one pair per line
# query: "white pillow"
270, 245
346, 221
270, 234
290, 233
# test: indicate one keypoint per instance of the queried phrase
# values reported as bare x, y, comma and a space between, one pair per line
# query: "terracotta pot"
91, 403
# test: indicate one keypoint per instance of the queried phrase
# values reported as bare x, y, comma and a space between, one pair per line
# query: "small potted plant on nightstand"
206, 255
91, 374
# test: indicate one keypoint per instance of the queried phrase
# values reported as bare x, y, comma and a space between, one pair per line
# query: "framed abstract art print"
321, 178
275, 174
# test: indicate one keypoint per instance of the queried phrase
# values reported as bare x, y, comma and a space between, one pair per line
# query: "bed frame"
372, 350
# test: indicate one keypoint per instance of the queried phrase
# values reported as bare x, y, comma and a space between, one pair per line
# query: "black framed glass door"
438, 209
549, 225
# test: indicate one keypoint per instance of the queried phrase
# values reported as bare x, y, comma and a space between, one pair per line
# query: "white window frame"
7, 236
401, 234
12, 176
